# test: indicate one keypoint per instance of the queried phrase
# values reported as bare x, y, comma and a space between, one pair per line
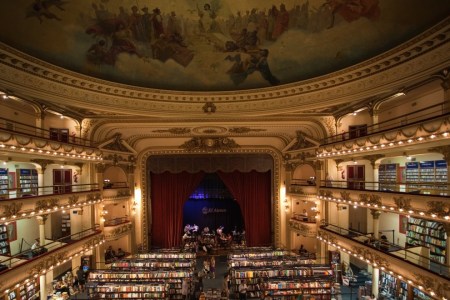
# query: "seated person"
35, 248
110, 254
120, 253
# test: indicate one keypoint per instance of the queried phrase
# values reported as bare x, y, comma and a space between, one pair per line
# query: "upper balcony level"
413, 130
22, 139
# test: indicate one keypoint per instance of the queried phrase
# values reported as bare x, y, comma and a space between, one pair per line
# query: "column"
375, 281
447, 244
376, 223
135, 209
445, 77
41, 221
42, 287
318, 168
40, 117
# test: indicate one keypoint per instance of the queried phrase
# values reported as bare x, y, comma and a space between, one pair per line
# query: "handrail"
107, 184
39, 132
408, 256
116, 221
390, 124
422, 187
37, 191
29, 254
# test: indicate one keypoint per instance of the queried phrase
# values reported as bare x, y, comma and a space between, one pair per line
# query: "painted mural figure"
157, 22
207, 22
41, 9
281, 22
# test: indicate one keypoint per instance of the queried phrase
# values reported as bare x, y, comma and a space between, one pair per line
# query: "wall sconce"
103, 214
286, 205
408, 157
134, 208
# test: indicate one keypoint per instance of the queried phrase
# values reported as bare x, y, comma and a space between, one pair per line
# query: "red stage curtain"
252, 191
168, 194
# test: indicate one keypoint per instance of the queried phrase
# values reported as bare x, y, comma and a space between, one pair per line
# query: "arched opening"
172, 181
114, 177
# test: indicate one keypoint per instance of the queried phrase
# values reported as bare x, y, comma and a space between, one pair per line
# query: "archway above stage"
169, 190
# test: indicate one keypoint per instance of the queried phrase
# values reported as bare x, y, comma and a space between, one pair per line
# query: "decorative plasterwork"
419, 56
42, 205
177, 130
371, 255
421, 206
146, 201
210, 144
19, 143
243, 130
427, 131
307, 230
115, 232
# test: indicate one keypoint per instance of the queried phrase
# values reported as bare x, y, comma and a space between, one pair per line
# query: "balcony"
427, 125
32, 263
47, 199
425, 206
21, 138
303, 225
405, 264
114, 192
117, 228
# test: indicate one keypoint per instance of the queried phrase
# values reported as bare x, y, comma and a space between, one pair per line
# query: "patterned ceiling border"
428, 51
276, 212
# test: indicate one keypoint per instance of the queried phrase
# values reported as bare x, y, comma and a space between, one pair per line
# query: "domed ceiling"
216, 45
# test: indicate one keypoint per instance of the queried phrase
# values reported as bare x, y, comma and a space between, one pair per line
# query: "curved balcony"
303, 187
48, 199
21, 138
424, 206
408, 264
114, 192
32, 263
117, 228
429, 124
303, 225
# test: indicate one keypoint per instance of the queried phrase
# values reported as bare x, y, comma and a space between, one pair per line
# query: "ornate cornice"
209, 144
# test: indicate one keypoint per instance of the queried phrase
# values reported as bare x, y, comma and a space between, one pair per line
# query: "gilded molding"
438, 208
366, 254
440, 287
115, 232
45, 204
402, 203
12, 209
145, 192
417, 56
209, 144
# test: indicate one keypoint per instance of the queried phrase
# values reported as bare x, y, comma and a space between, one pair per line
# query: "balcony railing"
392, 249
423, 188
427, 113
116, 221
26, 256
47, 190
107, 184
18, 127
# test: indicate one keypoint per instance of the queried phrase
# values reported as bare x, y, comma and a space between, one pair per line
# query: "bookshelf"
27, 181
429, 234
4, 241
419, 295
314, 280
149, 264
152, 290
4, 183
388, 176
65, 224
388, 286
29, 291
427, 173
167, 255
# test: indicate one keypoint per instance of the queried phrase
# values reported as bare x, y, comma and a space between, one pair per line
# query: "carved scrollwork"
12, 210
402, 203
48, 262
73, 199
345, 195
210, 143
45, 204
438, 208
440, 288
371, 256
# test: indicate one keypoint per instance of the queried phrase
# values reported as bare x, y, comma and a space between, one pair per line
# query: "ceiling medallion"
208, 130
210, 143
209, 108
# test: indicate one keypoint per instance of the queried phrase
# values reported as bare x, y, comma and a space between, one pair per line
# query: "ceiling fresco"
215, 45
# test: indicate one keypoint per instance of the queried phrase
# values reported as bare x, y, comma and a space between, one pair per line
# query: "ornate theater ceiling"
216, 45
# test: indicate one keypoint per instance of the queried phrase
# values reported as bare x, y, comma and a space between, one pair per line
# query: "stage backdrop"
213, 213
170, 191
